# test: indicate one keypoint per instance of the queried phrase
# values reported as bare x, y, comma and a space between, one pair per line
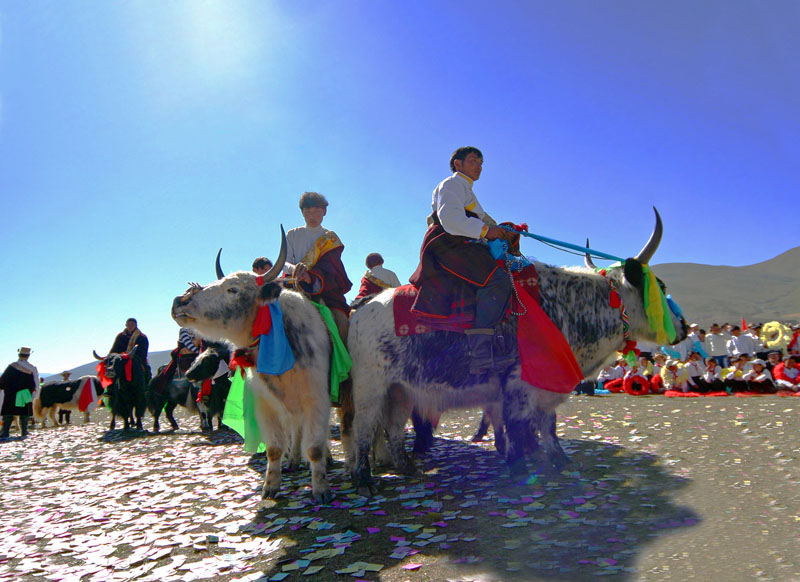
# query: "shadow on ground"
465, 518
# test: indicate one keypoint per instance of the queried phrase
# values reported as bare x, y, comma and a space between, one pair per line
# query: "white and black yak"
294, 403
209, 368
392, 375
57, 396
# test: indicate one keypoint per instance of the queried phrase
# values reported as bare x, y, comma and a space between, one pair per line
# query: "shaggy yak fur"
294, 403
126, 398
392, 375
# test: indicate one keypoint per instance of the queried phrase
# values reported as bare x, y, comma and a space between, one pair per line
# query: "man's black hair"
461, 154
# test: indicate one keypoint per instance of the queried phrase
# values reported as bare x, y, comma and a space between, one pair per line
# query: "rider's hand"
495, 232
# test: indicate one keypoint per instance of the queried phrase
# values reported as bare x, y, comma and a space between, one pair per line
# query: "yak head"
206, 364
633, 277
115, 363
226, 308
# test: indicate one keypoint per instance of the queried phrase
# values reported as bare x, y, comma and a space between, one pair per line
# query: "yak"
392, 375
296, 402
126, 396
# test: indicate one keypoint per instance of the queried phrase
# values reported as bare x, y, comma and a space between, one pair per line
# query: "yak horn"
649, 249
220, 274
587, 258
273, 273
94, 353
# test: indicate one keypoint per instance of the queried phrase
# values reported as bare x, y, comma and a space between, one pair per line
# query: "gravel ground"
659, 489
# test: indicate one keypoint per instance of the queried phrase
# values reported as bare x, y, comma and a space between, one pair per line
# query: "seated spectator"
645, 367
611, 377
773, 359
635, 382
657, 381
711, 380
694, 368
787, 374
674, 378
734, 378
758, 378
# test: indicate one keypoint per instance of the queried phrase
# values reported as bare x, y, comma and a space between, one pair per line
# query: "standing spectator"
715, 345
63, 415
739, 344
695, 341
132, 337
377, 278
261, 265
754, 331
18, 384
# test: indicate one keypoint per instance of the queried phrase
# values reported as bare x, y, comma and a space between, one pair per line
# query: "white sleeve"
450, 209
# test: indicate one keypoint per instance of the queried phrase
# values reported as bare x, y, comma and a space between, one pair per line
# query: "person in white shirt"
450, 270
739, 344
695, 368
734, 379
377, 278
715, 345
711, 381
758, 378
314, 257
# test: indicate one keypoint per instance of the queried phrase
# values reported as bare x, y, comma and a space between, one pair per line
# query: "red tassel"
263, 322
614, 300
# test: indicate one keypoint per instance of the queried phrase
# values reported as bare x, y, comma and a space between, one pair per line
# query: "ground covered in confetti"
659, 489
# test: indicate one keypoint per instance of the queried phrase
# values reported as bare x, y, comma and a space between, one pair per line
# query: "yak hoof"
323, 498
518, 467
368, 490
292, 467
559, 460
270, 492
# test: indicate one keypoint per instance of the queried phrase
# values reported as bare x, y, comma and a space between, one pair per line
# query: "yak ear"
269, 291
634, 273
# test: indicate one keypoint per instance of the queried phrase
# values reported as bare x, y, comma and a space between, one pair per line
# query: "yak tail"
37, 408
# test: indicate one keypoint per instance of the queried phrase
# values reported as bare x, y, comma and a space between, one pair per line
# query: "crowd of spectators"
726, 359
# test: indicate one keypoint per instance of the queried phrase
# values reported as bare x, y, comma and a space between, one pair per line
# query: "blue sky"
137, 138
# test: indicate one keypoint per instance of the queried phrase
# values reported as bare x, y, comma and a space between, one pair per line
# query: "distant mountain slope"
762, 292
155, 359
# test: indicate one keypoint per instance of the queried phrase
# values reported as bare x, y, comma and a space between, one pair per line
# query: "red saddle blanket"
546, 357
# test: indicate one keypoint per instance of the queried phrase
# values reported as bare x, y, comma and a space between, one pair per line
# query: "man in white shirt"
314, 257
715, 345
453, 270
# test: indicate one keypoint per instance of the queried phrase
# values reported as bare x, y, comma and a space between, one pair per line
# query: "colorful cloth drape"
340, 358
655, 305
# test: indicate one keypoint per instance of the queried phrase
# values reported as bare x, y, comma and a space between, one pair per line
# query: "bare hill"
762, 292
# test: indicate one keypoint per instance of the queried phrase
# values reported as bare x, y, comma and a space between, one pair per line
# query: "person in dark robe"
18, 385
455, 273
377, 278
132, 337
